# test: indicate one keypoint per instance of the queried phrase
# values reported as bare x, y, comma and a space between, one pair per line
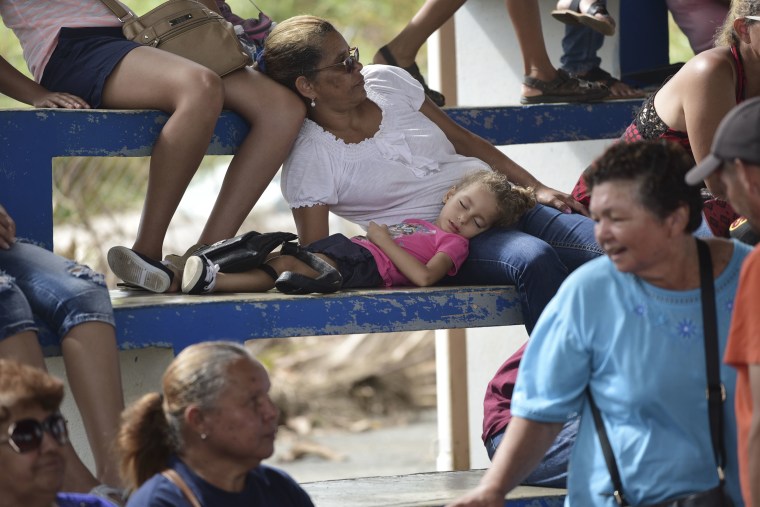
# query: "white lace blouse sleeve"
307, 178
394, 84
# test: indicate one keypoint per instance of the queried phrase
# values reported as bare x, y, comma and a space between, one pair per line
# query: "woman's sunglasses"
26, 435
349, 63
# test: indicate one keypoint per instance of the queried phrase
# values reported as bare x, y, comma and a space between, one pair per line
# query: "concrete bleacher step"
420, 490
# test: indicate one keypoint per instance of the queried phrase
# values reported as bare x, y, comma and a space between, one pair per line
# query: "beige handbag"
186, 28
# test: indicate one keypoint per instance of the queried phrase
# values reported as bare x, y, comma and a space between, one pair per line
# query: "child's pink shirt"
421, 239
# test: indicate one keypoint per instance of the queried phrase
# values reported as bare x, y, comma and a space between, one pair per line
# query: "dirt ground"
398, 447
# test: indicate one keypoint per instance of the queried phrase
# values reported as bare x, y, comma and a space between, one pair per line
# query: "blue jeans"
579, 47
535, 256
552, 471
41, 291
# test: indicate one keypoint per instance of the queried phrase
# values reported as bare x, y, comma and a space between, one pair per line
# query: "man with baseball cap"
734, 160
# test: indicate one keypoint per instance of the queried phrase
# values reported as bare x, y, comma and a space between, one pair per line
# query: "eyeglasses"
349, 63
753, 18
26, 435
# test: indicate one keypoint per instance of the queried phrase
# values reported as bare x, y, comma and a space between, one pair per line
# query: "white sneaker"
199, 276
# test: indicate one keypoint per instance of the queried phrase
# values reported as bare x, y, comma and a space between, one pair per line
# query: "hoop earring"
313, 102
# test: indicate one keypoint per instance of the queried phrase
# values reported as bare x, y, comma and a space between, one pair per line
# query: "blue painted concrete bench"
31, 138
420, 490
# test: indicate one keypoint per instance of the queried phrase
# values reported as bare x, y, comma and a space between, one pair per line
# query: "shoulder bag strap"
178, 481
716, 392
609, 457
118, 10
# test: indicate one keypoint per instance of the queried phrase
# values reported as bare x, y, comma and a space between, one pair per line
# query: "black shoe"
244, 252
139, 270
328, 279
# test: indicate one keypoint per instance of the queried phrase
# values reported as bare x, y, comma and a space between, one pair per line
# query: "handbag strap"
716, 392
119, 10
609, 456
178, 481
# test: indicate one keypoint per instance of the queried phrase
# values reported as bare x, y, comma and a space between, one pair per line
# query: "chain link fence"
97, 203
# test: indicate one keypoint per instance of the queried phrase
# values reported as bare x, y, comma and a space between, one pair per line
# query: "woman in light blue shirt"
628, 326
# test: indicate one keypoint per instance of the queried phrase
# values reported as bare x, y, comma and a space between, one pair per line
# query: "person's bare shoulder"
715, 65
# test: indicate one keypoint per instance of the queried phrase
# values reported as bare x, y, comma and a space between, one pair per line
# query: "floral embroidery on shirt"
686, 329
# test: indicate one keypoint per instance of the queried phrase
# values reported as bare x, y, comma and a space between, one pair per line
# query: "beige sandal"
574, 16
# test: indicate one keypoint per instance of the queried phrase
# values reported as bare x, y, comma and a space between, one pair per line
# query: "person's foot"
592, 13
199, 276
618, 89
538, 89
139, 270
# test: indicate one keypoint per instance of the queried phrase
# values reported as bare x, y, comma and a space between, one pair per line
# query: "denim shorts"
83, 60
44, 292
355, 263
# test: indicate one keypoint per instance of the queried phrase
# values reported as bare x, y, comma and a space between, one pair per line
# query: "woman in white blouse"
374, 148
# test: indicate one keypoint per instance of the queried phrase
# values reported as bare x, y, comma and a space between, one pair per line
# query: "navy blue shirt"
264, 486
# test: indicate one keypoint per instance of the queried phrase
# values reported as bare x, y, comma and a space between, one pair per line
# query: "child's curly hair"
513, 200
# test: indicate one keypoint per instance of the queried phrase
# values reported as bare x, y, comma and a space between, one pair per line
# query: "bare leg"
92, 367
431, 16
24, 347
149, 78
526, 20
275, 115
257, 280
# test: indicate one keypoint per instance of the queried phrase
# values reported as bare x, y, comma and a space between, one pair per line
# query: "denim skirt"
83, 60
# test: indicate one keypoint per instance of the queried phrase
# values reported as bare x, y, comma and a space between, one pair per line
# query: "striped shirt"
36, 23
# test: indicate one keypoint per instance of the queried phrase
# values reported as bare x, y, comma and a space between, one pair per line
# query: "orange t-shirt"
744, 349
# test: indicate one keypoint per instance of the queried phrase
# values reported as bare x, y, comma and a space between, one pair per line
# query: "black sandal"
574, 16
328, 280
563, 88
244, 252
435, 96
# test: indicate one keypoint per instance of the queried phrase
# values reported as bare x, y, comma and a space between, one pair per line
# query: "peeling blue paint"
177, 321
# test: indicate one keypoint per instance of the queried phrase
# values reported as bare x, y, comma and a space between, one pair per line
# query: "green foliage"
680, 50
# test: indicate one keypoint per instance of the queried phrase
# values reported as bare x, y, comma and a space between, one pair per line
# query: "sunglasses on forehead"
26, 435
349, 63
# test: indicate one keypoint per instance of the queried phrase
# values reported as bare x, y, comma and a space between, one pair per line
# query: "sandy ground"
391, 450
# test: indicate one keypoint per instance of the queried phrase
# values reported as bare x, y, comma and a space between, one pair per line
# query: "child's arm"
19, 87
422, 275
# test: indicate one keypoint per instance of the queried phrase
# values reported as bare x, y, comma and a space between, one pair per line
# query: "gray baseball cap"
738, 136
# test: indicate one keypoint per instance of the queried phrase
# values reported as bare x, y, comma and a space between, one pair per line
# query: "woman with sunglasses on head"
33, 435
374, 148
201, 441
80, 59
689, 106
